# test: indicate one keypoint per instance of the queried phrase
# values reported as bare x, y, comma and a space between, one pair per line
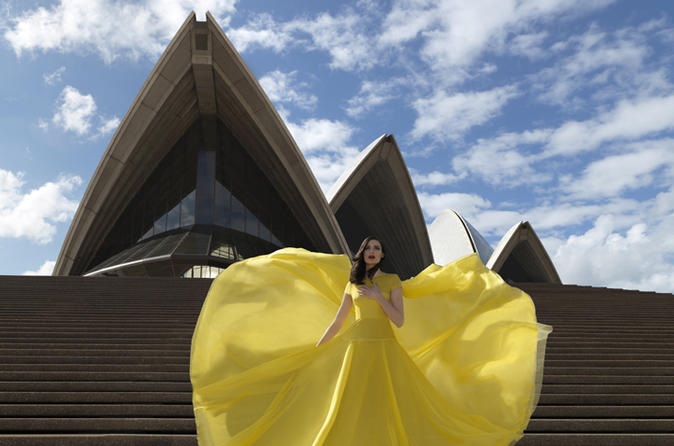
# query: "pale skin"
393, 308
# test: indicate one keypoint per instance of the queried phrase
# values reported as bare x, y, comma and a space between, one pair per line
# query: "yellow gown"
464, 369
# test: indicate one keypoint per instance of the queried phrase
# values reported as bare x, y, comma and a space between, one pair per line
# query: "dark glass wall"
206, 184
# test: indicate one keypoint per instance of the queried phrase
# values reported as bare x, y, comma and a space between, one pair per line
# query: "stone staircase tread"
99, 440
612, 425
89, 410
593, 439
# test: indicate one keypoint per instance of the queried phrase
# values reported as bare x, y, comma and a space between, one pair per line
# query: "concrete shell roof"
199, 73
452, 237
537, 261
396, 218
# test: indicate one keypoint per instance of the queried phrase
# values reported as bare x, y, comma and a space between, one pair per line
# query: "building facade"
202, 172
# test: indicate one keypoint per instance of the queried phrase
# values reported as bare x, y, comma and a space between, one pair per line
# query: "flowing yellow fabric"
465, 368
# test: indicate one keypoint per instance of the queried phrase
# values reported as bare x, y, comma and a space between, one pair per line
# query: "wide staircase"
609, 367
97, 361
105, 361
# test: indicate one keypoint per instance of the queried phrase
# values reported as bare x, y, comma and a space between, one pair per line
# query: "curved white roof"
521, 256
376, 196
199, 74
452, 237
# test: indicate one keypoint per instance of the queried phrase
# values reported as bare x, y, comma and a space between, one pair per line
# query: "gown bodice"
370, 320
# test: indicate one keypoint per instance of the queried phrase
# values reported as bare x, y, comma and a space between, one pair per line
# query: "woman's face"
373, 253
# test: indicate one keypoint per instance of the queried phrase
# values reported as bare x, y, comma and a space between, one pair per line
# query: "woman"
461, 367
367, 266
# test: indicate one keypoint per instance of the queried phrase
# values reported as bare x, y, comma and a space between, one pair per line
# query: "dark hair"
358, 270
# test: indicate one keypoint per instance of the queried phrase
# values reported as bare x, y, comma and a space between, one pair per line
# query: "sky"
556, 112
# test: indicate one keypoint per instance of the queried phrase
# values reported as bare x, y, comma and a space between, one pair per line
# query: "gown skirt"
465, 368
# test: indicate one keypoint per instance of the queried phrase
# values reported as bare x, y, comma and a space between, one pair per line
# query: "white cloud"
599, 60
33, 214
628, 120
108, 125
324, 144
75, 111
528, 45
45, 270
565, 215
344, 36
373, 94
284, 88
475, 209
261, 32
503, 160
328, 166
465, 204
108, 28
443, 116
495, 222
55, 77
634, 258
42, 124
455, 33
520, 154
434, 178
636, 169
320, 134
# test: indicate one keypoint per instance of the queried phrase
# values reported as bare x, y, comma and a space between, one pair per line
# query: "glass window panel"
187, 210
222, 207
149, 233
251, 223
224, 251
265, 234
205, 180
173, 220
238, 215
160, 225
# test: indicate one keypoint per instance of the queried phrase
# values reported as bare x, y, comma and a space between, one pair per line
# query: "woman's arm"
393, 309
340, 317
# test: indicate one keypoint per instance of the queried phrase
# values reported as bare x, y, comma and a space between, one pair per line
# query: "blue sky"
559, 112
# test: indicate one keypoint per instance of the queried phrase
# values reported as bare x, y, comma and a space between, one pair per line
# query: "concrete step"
93, 376
609, 362
56, 367
599, 355
593, 399
97, 346
132, 439
102, 359
645, 389
92, 425
107, 352
97, 386
95, 397
603, 371
609, 425
643, 411
97, 410
604, 379
584, 439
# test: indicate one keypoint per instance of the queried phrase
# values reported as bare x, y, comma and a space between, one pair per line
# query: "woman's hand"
372, 293
393, 308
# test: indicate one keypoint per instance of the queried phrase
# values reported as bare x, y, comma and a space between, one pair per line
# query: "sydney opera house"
202, 172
